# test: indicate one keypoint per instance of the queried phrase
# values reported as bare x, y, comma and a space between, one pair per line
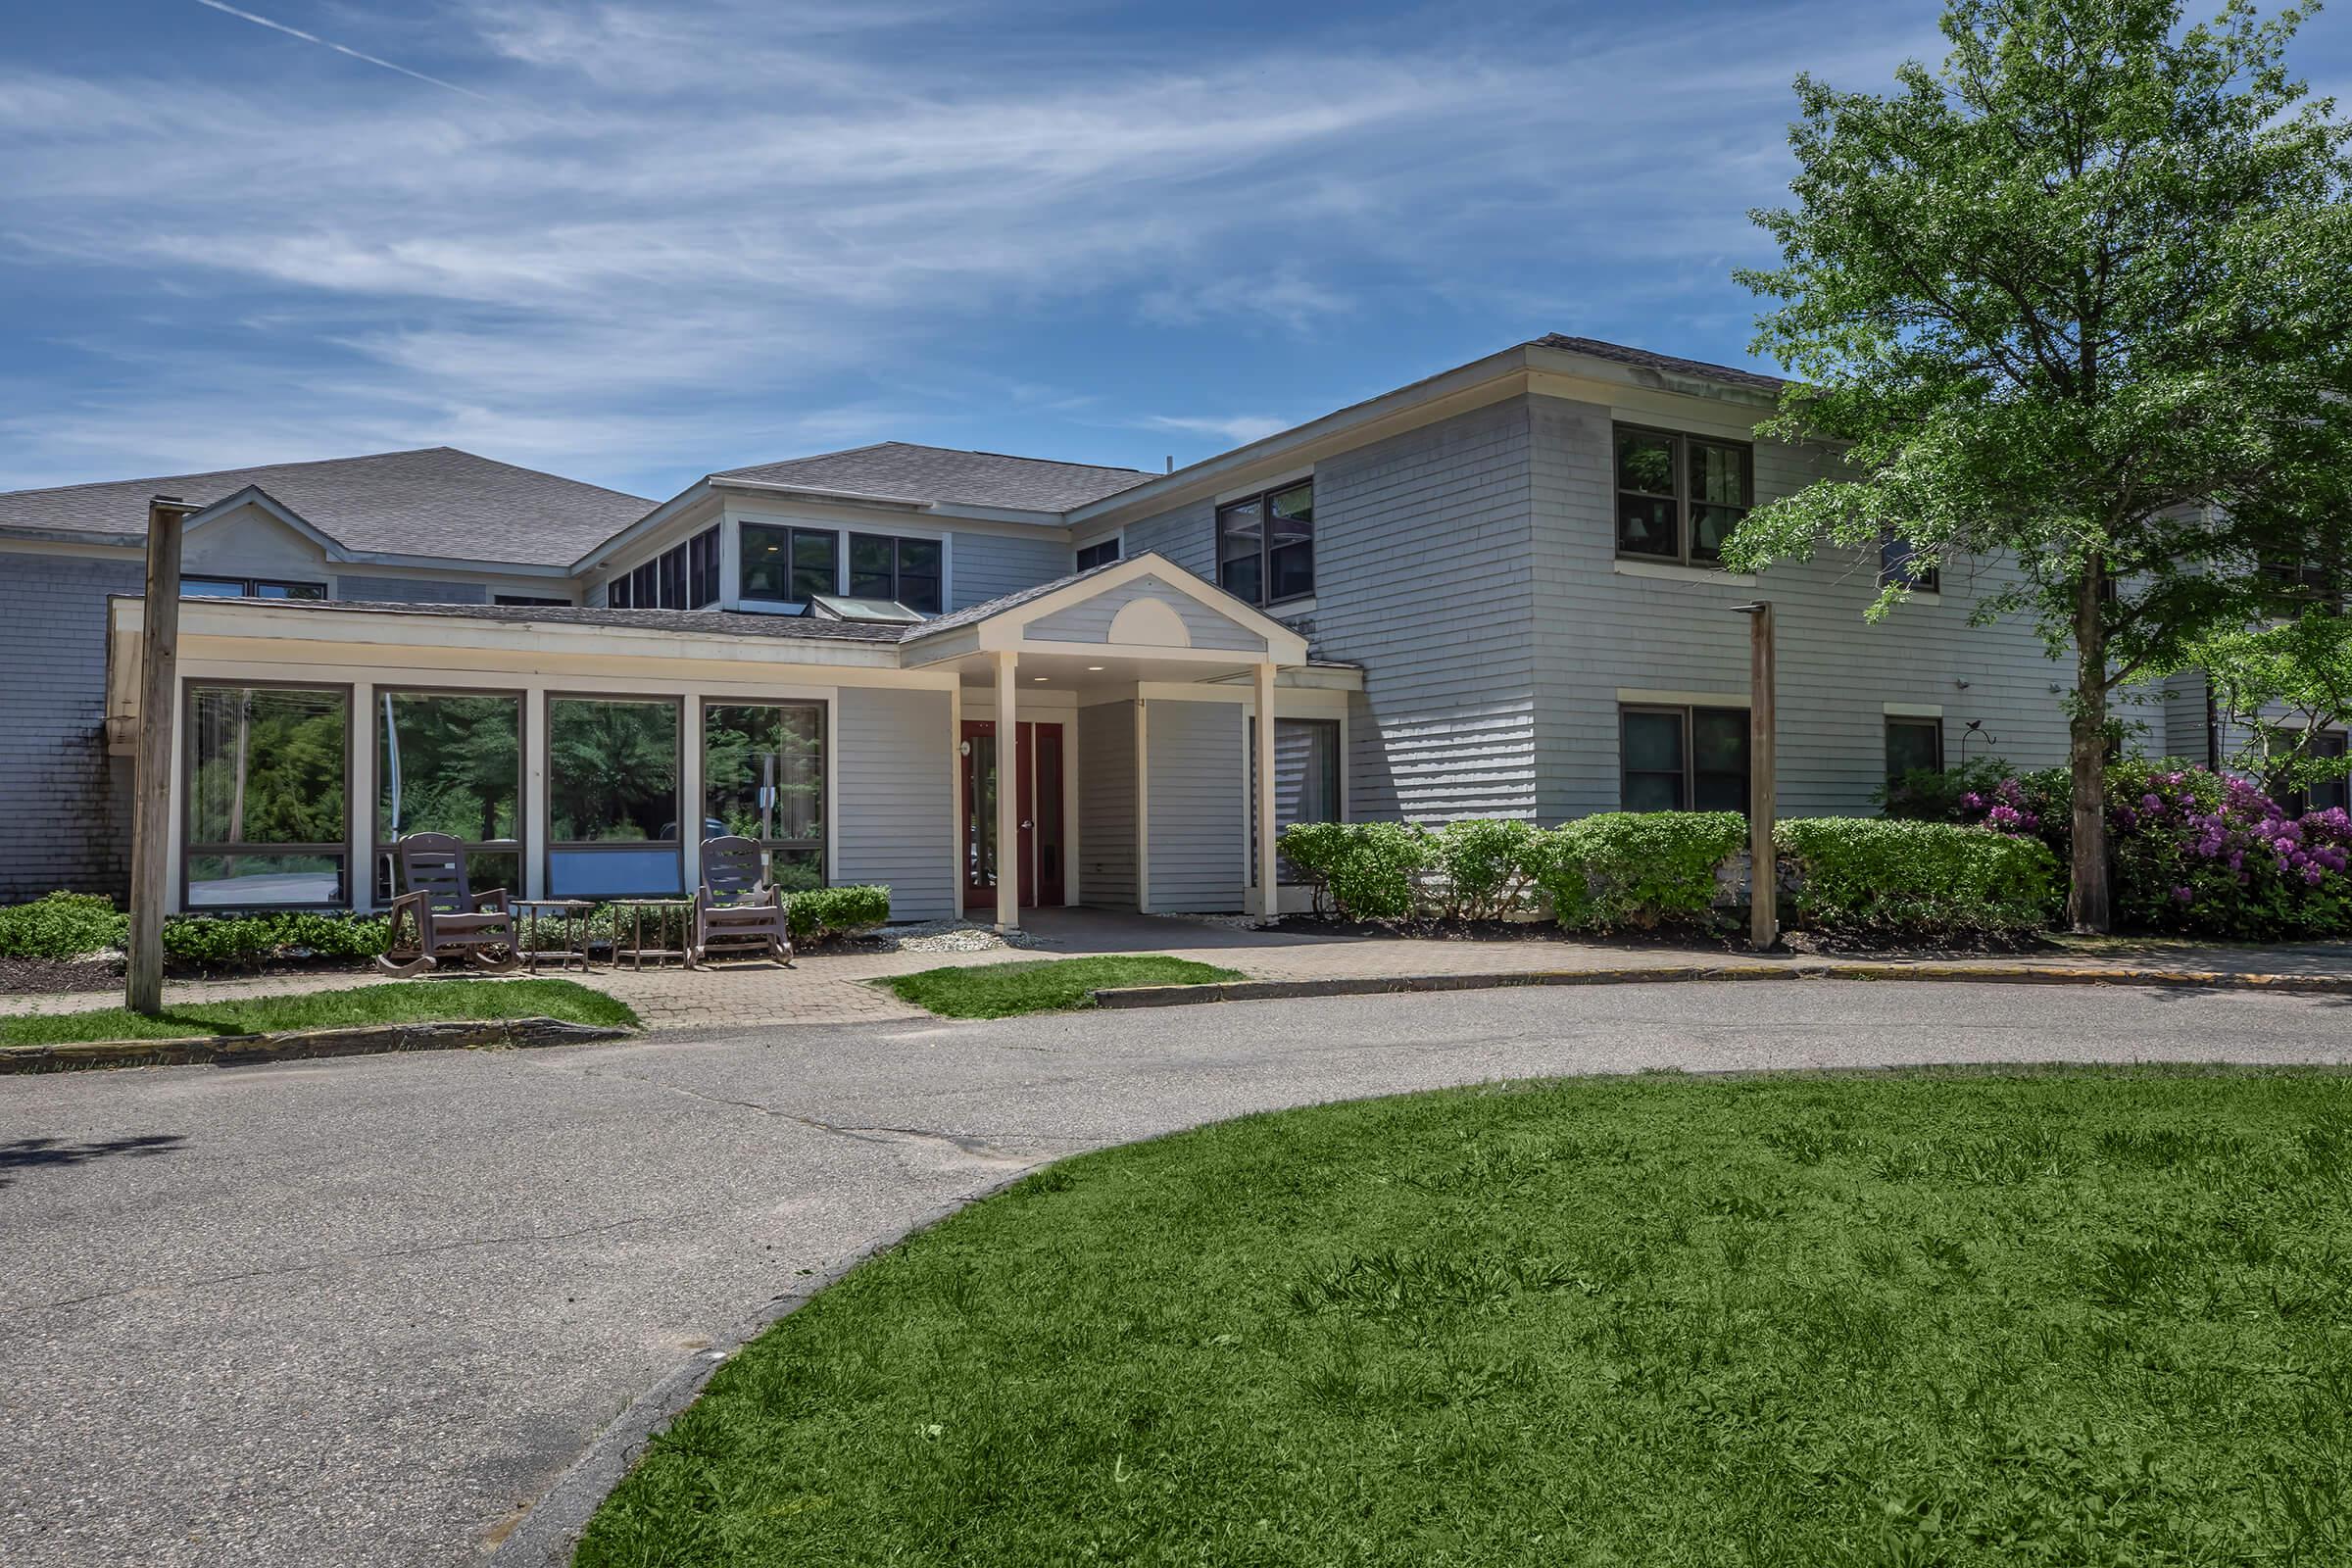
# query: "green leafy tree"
2281, 688
2078, 301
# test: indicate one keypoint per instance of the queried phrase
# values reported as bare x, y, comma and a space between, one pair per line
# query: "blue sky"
635, 242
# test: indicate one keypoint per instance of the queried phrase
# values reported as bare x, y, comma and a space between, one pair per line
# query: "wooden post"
159, 719
1268, 897
1008, 795
1763, 780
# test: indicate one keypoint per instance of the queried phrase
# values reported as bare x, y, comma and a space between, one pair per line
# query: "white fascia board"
1494, 376
667, 509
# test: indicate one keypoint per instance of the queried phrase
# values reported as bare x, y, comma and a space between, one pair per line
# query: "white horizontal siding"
894, 799
1192, 755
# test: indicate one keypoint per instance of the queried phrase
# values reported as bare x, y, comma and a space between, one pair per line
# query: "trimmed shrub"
62, 925
1884, 877
1487, 868
836, 912
1638, 870
216, 939
2192, 851
1361, 870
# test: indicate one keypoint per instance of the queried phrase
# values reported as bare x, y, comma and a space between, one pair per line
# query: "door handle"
1026, 824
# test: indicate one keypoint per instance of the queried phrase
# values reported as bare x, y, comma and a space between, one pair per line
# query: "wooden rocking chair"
442, 917
735, 909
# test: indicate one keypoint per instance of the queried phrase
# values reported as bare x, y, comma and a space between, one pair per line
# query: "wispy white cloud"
717, 224
341, 49
1234, 429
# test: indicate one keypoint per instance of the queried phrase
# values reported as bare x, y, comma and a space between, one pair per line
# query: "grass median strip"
395, 1002
1043, 985
1955, 1317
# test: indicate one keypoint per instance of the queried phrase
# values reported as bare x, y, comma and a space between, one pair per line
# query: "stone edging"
1991, 974
286, 1044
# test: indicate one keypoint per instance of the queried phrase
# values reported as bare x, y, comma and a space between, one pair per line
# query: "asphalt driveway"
366, 1312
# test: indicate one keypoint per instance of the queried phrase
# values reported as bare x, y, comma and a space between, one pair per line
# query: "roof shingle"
902, 470
436, 501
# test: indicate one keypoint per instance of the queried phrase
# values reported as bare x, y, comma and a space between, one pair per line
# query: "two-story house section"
994, 681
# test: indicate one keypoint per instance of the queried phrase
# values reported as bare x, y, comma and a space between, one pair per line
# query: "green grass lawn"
1952, 1318
1044, 985
395, 1002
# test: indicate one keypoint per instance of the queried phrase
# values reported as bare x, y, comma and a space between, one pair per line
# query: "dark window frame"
251, 587
1890, 723
1262, 503
824, 709
1685, 553
1686, 785
792, 534
379, 849
550, 843
1286, 874
1894, 553
189, 847
2332, 743
846, 568
1114, 544
685, 577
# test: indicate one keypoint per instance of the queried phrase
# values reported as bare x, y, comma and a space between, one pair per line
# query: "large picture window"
613, 797
908, 571
1679, 497
267, 819
785, 566
1266, 546
1683, 759
451, 762
763, 778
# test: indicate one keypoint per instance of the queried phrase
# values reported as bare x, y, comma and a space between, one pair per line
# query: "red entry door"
1037, 782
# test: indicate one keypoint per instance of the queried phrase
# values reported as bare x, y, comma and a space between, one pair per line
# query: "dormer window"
1678, 496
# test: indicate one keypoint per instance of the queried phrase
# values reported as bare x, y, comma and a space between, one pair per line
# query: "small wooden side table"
571, 918
630, 913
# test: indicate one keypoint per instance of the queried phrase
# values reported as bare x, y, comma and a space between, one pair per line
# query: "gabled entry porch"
1085, 804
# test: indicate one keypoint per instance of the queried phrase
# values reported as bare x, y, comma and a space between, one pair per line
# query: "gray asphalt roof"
1623, 354
902, 469
729, 622
436, 501
996, 606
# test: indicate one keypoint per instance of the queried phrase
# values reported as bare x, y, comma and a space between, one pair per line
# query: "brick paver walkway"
833, 988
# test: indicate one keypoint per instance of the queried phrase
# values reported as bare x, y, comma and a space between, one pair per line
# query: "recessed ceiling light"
1036, 677
1095, 667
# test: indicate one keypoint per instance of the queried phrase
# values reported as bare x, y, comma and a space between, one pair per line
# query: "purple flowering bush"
2195, 851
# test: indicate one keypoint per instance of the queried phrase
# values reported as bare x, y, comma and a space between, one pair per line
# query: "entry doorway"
1037, 776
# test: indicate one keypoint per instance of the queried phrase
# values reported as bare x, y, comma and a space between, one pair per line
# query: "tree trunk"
2087, 904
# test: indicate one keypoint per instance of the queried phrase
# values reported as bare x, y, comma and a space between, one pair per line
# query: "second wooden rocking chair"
736, 910
441, 916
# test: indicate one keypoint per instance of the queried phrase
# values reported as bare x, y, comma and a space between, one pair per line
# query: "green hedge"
1889, 877
212, 940
63, 925
1361, 870
1641, 870
836, 912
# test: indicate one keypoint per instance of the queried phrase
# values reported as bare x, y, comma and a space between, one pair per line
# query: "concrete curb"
287, 1045
549, 1531
1659, 974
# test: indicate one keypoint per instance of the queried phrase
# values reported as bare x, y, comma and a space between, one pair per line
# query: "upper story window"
1101, 553
1266, 545
1679, 497
785, 566
904, 571
682, 577
1894, 566
248, 588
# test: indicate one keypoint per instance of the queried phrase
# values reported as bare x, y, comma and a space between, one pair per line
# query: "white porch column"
1008, 795
690, 788
1268, 898
955, 872
360, 853
534, 793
